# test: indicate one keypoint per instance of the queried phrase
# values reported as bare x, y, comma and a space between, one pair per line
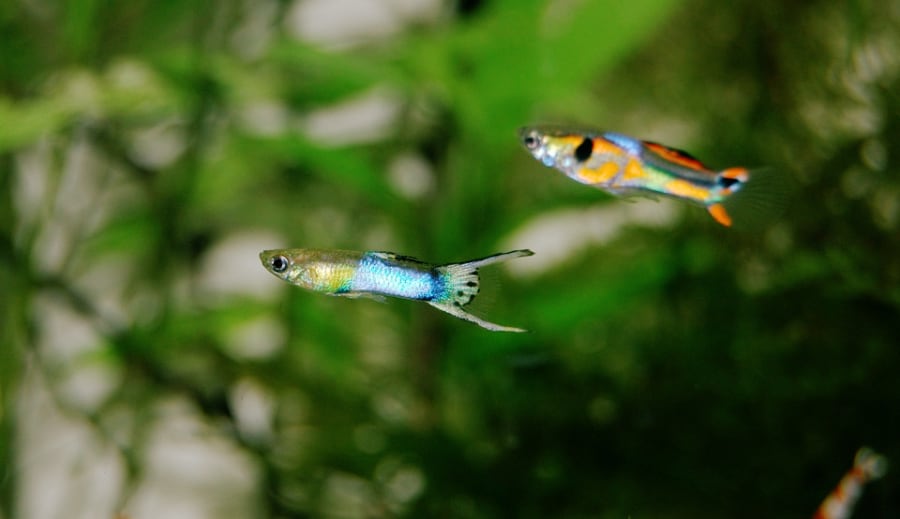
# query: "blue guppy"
449, 288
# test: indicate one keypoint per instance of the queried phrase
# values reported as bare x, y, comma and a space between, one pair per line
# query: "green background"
674, 370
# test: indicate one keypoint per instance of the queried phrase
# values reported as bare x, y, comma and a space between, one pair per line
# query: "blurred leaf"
339, 165
133, 233
81, 19
652, 351
590, 294
545, 52
314, 78
23, 123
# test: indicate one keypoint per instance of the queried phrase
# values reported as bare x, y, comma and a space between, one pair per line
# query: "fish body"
376, 274
867, 465
625, 166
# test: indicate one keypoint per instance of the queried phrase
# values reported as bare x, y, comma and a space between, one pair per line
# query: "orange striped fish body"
623, 166
839, 504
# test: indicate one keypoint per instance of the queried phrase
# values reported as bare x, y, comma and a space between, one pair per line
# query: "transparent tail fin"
462, 285
749, 199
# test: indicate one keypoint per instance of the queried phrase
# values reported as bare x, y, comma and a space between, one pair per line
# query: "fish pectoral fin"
457, 311
364, 295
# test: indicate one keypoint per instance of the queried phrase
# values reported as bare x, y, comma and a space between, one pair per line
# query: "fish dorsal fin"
675, 155
390, 256
385, 255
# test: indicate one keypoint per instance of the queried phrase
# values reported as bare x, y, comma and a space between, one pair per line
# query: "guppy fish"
839, 504
624, 166
374, 275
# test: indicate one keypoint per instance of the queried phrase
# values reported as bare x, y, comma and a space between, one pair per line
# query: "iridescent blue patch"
631, 145
379, 275
548, 160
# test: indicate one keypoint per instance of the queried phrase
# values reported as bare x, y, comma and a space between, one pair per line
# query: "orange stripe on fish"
633, 171
685, 189
675, 155
601, 175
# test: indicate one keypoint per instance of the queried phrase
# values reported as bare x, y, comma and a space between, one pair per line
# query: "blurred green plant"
674, 370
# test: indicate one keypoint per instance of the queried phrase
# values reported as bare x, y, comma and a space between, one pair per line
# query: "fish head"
318, 270
559, 147
291, 265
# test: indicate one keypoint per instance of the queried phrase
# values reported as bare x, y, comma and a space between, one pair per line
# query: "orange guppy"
867, 465
624, 166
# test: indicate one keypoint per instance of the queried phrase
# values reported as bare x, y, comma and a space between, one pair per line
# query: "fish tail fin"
871, 464
748, 198
463, 283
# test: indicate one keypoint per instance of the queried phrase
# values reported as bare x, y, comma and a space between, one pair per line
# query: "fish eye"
279, 264
531, 141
